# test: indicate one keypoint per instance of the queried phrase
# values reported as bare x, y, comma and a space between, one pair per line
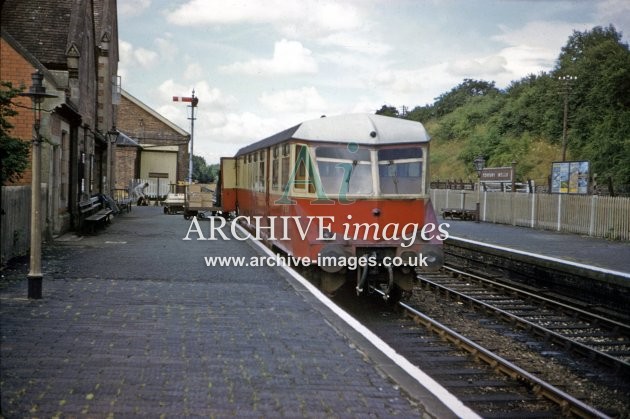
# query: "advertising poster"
570, 177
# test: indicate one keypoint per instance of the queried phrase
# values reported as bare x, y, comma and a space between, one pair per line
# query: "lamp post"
479, 164
37, 93
112, 137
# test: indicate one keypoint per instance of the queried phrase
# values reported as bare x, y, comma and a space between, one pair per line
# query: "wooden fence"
592, 215
16, 221
158, 188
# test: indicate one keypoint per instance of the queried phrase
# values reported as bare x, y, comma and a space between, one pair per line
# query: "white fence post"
485, 204
533, 211
591, 227
559, 222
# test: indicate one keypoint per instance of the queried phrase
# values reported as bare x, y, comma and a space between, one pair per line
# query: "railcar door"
228, 184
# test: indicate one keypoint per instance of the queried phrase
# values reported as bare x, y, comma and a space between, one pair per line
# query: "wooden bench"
93, 213
459, 213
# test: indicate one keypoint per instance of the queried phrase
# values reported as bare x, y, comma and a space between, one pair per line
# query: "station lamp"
37, 93
112, 135
479, 163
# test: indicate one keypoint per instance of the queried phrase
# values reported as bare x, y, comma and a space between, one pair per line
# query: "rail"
569, 404
616, 363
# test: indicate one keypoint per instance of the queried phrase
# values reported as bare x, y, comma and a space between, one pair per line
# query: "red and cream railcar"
348, 192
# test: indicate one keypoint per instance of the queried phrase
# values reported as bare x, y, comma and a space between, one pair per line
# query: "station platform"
574, 248
133, 323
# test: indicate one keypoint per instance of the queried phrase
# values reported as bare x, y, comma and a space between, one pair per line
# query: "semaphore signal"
193, 104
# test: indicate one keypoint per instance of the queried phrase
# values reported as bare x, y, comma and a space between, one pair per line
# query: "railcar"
348, 194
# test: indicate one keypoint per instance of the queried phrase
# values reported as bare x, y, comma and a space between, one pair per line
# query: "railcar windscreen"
400, 171
345, 170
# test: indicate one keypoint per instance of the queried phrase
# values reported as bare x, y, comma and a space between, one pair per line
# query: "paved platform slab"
606, 254
133, 324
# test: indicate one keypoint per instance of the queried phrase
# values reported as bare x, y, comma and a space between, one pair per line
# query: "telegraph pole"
193, 104
565, 121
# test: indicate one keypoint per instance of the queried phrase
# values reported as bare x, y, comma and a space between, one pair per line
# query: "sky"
261, 66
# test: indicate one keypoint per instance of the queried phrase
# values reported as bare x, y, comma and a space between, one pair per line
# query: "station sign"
158, 175
497, 174
570, 177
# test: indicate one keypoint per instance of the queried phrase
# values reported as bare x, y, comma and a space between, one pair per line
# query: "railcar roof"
368, 129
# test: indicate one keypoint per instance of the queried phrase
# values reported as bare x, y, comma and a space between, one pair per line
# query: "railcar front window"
344, 170
400, 171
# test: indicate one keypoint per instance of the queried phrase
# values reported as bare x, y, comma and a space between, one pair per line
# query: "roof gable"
153, 113
24, 20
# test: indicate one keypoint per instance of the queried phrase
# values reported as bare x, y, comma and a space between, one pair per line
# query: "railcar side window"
275, 167
344, 170
284, 166
400, 171
304, 170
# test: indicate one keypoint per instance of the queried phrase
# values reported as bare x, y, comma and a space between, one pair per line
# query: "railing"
157, 189
592, 215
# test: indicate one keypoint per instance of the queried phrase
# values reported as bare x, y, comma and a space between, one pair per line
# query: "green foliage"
202, 172
460, 94
14, 153
421, 113
524, 123
387, 111
599, 100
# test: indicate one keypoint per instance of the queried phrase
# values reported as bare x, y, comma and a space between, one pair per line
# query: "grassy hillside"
524, 122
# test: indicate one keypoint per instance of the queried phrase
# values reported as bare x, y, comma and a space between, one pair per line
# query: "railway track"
494, 368
583, 333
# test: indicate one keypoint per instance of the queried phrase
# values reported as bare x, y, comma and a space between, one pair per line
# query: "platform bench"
460, 213
93, 213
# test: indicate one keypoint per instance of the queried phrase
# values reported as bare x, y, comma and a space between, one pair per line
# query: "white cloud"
291, 17
128, 8
616, 12
412, 87
211, 99
357, 41
306, 99
523, 60
487, 66
145, 57
132, 57
167, 48
542, 34
399, 80
533, 48
236, 131
193, 71
289, 57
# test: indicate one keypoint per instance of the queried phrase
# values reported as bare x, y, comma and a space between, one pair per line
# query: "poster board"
570, 177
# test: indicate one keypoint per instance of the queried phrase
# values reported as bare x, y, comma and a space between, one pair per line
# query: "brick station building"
150, 146
74, 45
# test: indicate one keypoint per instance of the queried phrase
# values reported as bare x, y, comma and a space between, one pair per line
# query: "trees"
387, 111
599, 100
526, 119
202, 172
459, 95
14, 153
